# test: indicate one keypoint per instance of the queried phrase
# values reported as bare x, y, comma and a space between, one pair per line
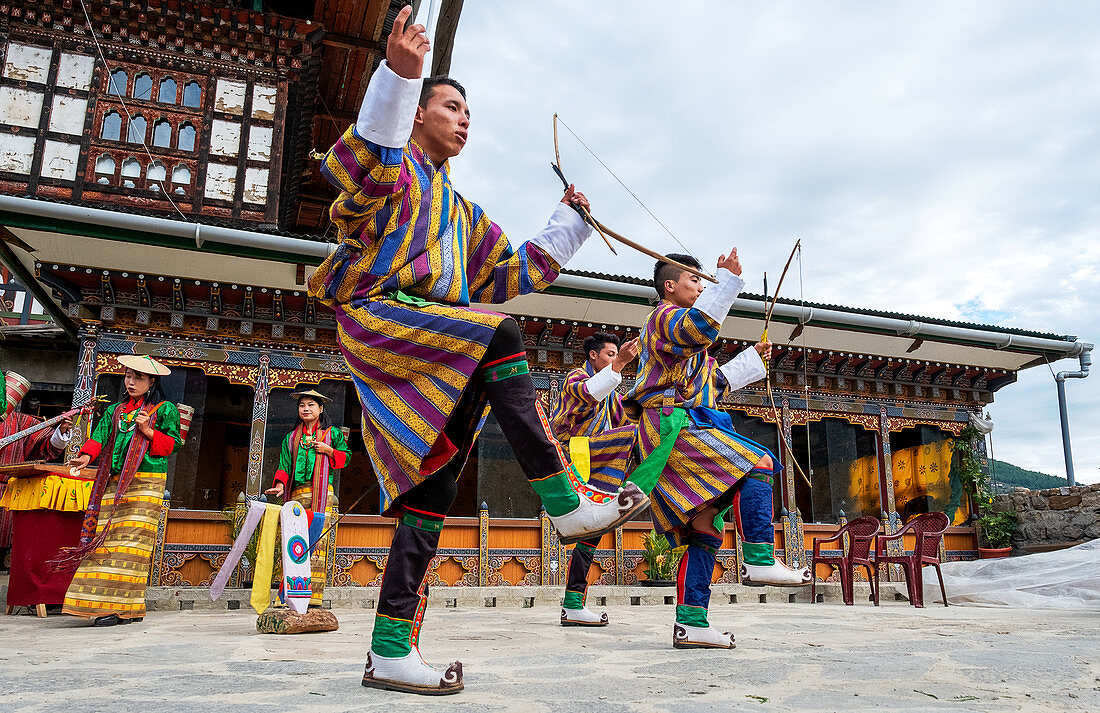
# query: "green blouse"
300, 469
166, 437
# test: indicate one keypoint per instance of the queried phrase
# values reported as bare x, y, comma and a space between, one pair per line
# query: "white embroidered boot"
776, 574
685, 636
411, 674
760, 567
574, 612
582, 617
581, 512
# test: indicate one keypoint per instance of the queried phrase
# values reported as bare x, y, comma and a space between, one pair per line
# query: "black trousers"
515, 403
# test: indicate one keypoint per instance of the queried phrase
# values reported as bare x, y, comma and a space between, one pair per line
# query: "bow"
86, 409
602, 229
767, 367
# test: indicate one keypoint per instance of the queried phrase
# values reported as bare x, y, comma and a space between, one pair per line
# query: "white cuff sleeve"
717, 300
59, 440
563, 235
389, 107
744, 369
602, 383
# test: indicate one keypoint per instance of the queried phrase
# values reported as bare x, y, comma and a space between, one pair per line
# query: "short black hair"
597, 341
438, 80
667, 271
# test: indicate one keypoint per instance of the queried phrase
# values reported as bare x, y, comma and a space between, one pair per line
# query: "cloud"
935, 158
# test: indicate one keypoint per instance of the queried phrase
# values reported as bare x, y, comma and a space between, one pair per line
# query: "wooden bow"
606, 232
86, 409
767, 367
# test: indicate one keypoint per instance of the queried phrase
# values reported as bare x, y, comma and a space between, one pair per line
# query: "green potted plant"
661, 561
995, 533
995, 529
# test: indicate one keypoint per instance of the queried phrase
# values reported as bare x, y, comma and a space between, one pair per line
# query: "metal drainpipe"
1085, 360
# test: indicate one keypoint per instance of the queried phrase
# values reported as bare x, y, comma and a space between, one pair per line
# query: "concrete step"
198, 598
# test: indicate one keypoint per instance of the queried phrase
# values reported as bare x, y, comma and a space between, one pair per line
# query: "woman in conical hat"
309, 454
133, 441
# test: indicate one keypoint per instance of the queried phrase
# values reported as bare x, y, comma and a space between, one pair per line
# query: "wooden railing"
481, 551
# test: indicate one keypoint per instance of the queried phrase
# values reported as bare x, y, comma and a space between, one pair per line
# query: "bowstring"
625, 187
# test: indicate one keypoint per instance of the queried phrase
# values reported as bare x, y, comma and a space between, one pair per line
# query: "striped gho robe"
578, 413
413, 255
675, 371
604, 424
37, 446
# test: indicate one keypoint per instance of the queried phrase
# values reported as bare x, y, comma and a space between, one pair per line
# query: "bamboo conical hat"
145, 364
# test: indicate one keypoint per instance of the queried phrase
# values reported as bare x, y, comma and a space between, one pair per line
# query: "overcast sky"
938, 158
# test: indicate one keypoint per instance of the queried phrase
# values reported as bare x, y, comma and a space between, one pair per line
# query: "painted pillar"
547, 549
794, 550
483, 564
620, 559
891, 520
254, 484
83, 391
789, 500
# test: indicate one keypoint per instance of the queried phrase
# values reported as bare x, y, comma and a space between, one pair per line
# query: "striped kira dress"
413, 255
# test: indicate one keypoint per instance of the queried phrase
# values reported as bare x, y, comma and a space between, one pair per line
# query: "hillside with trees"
1007, 477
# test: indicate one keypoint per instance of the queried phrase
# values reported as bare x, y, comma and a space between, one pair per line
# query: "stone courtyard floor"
789, 657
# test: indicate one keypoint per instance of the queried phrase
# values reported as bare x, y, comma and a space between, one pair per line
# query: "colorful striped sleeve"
494, 271
573, 401
681, 331
368, 177
576, 387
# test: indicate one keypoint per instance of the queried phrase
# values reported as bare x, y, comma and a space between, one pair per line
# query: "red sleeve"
91, 449
162, 444
281, 477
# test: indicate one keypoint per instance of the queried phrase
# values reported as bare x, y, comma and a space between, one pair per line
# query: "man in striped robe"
702, 465
413, 255
590, 421
44, 445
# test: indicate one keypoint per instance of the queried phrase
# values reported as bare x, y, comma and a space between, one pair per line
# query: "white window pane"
67, 116
229, 97
27, 63
59, 160
75, 71
16, 153
259, 143
225, 138
21, 107
263, 102
255, 185
221, 181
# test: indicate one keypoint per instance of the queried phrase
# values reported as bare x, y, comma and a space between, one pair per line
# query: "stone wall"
1052, 518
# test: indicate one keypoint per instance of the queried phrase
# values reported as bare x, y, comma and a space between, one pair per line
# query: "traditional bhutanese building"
159, 195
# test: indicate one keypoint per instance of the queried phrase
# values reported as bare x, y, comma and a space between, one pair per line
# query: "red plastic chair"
861, 534
928, 530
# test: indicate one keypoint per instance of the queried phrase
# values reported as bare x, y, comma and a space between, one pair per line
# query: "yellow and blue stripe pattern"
675, 371
413, 255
